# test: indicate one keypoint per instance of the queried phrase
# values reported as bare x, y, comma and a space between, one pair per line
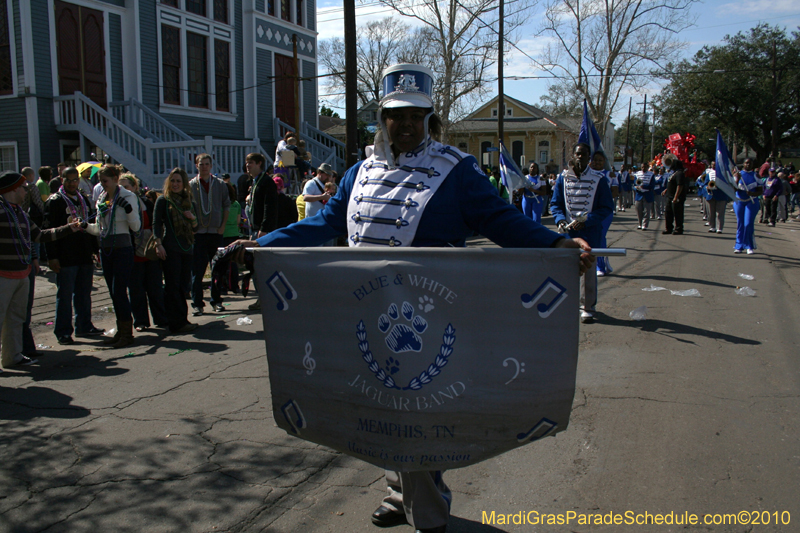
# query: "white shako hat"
407, 85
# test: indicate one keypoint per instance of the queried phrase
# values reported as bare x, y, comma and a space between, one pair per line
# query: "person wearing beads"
71, 259
117, 216
412, 190
17, 235
211, 206
173, 225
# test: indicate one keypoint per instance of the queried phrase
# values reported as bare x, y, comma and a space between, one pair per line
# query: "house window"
221, 11
197, 70
171, 64
222, 73
286, 11
6, 68
299, 18
173, 3
271, 7
198, 7
196, 67
8, 155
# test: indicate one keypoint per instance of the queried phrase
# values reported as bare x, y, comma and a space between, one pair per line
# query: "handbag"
147, 245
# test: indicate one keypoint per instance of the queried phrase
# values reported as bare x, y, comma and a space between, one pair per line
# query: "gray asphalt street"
693, 411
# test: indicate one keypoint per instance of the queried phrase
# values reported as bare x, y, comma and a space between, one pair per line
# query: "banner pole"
597, 252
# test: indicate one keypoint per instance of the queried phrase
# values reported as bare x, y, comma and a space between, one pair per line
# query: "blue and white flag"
510, 175
589, 136
428, 363
724, 169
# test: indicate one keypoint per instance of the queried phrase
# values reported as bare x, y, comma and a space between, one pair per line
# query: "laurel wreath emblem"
425, 377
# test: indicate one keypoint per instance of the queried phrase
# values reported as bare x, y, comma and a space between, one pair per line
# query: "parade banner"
420, 358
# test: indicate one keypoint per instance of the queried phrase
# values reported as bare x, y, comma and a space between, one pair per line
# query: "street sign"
493, 149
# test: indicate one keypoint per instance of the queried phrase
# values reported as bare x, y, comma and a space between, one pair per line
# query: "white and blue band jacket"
588, 194
433, 196
645, 190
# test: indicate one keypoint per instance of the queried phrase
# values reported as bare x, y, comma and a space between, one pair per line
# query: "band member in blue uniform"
643, 187
533, 198
581, 202
748, 189
599, 164
411, 190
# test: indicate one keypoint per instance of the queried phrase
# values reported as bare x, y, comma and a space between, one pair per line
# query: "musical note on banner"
283, 298
545, 309
308, 362
291, 411
543, 428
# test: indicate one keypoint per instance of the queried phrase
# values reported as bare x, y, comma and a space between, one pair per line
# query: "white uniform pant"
422, 496
589, 290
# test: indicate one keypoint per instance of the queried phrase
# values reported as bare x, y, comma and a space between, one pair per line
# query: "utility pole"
350, 83
628, 135
774, 106
652, 135
296, 87
644, 124
501, 104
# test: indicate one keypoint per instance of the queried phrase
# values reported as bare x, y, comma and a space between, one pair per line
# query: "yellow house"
530, 135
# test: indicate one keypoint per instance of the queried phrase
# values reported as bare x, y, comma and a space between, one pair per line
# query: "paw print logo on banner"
403, 328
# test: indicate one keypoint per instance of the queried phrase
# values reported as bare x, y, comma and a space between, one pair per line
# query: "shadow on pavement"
93, 479
676, 280
35, 402
669, 329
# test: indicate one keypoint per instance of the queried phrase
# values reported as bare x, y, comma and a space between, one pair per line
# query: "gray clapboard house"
152, 83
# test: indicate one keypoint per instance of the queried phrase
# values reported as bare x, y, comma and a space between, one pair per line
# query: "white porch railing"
150, 159
146, 122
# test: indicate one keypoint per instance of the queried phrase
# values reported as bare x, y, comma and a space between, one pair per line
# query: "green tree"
748, 87
327, 112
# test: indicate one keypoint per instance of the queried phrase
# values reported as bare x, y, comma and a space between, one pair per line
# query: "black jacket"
264, 199
76, 248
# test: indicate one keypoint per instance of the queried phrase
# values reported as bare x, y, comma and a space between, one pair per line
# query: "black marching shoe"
666, 232
385, 517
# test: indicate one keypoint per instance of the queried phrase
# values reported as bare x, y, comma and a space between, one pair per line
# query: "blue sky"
715, 19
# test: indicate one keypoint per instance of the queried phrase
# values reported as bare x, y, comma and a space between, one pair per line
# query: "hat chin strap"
382, 140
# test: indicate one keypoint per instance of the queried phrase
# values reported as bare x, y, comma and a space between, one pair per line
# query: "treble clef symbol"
308, 362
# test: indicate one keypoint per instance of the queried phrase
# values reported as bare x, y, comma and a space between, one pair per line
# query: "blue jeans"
205, 246
74, 288
146, 285
117, 268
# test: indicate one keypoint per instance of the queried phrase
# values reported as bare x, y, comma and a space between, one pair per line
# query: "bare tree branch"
600, 47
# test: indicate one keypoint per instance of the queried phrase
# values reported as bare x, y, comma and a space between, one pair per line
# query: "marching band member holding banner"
645, 183
411, 190
581, 202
